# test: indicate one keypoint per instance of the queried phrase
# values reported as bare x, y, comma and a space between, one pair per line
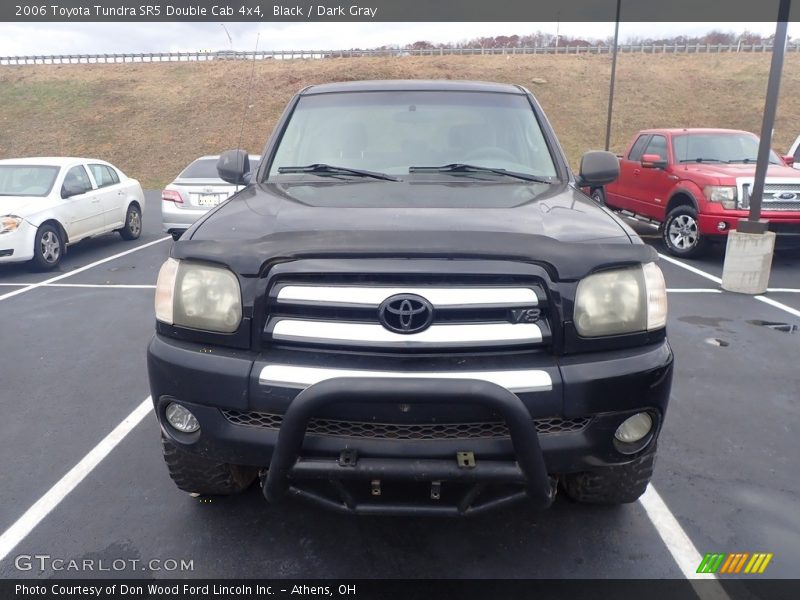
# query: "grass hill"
153, 119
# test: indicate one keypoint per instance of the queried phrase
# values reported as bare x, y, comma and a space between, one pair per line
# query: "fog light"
634, 428
722, 226
182, 419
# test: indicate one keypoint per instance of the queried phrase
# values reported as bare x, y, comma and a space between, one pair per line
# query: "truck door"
650, 196
619, 194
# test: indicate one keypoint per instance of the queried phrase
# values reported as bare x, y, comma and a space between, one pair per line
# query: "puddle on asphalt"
717, 342
784, 327
708, 321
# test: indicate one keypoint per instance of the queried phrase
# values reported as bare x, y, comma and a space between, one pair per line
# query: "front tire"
611, 485
198, 475
681, 233
133, 223
48, 247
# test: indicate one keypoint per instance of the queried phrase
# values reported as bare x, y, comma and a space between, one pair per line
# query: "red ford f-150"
696, 184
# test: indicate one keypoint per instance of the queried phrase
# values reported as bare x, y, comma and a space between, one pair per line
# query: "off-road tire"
674, 218
198, 475
611, 485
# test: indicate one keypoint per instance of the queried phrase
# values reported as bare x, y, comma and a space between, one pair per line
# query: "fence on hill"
202, 55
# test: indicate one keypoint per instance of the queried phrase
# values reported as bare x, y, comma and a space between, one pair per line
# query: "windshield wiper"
465, 168
322, 168
700, 160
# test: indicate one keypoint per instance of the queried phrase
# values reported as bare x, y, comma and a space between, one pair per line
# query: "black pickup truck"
411, 308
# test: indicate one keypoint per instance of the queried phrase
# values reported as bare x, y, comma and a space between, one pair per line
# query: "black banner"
710, 11
439, 589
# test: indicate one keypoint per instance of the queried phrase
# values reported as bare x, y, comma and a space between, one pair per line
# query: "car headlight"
9, 223
724, 194
621, 301
198, 296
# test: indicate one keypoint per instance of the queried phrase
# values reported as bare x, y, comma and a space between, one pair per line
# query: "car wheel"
611, 485
48, 247
133, 223
681, 233
199, 475
599, 196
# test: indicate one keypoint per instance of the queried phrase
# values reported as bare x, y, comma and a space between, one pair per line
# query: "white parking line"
123, 286
36, 513
694, 270
33, 286
779, 305
783, 290
678, 543
764, 299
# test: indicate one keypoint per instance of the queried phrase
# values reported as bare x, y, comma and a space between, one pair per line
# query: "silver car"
194, 192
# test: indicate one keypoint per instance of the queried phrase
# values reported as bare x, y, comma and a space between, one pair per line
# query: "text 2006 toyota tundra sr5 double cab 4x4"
412, 309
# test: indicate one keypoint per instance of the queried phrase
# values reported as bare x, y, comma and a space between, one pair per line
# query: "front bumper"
784, 224
605, 388
17, 246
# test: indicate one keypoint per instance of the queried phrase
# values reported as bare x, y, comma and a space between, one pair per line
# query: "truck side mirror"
653, 161
233, 167
597, 168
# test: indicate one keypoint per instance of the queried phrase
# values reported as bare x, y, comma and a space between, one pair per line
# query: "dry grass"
152, 119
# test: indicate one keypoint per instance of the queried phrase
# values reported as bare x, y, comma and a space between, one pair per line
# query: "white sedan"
47, 204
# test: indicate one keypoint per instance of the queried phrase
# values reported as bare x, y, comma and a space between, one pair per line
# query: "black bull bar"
528, 469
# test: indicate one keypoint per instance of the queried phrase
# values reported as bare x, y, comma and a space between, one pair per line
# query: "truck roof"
398, 85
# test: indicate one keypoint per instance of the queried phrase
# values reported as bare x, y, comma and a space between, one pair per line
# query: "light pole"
613, 77
748, 255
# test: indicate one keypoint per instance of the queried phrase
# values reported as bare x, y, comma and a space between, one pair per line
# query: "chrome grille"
405, 431
770, 199
466, 314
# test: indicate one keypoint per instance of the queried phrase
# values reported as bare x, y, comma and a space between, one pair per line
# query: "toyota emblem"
406, 313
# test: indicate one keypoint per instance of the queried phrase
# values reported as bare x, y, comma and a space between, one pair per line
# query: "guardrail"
202, 56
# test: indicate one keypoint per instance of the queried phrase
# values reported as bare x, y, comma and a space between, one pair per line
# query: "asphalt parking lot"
73, 369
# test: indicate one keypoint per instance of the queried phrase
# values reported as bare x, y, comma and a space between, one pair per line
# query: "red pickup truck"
696, 184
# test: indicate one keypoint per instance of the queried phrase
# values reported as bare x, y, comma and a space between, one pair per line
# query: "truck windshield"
718, 147
388, 132
26, 180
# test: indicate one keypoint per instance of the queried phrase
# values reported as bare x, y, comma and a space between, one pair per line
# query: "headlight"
9, 223
621, 301
198, 296
724, 194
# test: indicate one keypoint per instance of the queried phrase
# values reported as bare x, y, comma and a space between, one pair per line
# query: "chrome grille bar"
529, 380
497, 297
331, 332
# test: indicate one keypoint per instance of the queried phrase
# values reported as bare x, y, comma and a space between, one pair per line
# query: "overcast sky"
88, 38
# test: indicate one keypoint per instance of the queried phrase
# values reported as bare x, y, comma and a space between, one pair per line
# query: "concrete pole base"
748, 261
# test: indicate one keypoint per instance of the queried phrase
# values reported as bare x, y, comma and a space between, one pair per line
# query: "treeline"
541, 38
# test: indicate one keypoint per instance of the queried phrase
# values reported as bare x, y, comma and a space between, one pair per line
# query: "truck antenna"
249, 92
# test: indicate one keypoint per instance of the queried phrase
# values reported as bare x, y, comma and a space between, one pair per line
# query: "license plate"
208, 199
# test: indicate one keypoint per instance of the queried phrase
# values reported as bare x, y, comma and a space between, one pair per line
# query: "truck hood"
732, 171
462, 218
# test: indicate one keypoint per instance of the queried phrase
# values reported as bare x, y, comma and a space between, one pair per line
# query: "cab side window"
78, 180
658, 146
638, 148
